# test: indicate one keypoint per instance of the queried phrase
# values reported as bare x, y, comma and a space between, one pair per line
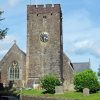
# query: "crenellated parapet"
40, 9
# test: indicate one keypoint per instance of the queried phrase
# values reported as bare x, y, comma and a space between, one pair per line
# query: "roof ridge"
81, 62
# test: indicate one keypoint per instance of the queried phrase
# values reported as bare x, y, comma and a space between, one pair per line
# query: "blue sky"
81, 27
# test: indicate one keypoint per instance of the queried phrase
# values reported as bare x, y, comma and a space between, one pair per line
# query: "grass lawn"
32, 92
75, 95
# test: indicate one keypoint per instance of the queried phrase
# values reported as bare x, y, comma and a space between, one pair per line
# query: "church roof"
78, 67
13, 49
68, 60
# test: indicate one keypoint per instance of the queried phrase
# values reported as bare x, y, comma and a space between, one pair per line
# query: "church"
44, 54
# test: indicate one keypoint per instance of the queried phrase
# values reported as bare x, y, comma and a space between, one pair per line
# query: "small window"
11, 73
45, 17
16, 73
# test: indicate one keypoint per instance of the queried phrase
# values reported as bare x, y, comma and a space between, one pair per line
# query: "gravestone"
59, 90
23, 83
86, 92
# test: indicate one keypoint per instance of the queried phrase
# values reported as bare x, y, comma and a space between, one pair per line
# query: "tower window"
45, 17
14, 72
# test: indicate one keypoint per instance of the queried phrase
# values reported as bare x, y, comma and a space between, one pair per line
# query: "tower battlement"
40, 9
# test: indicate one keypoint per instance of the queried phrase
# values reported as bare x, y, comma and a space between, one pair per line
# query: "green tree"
99, 71
86, 79
3, 32
48, 82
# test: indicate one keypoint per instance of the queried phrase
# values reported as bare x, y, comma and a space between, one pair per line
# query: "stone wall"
41, 57
14, 54
67, 74
42, 98
40, 9
44, 58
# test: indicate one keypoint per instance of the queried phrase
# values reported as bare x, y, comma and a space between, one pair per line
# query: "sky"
81, 27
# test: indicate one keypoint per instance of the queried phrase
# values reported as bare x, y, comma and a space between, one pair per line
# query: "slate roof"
78, 67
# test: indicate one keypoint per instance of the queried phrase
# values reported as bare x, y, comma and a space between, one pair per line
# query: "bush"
86, 79
99, 85
48, 82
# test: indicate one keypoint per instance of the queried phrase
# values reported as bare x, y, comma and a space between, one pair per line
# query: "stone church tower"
44, 41
44, 52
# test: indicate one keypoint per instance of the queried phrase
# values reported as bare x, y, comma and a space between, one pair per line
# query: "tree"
48, 82
86, 79
99, 71
3, 32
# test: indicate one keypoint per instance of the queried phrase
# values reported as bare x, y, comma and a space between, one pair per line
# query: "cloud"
6, 44
81, 36
76, 24
82, 44
78, 20
13, 2
8, 39
87, 45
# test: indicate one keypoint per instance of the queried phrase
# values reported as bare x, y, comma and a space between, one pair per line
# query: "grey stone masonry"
40, 9
14, 54
44, 57
44, 52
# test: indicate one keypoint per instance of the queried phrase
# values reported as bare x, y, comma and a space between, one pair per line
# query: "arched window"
14, 72
17, 73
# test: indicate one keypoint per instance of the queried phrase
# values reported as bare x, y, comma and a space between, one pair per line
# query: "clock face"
44, 37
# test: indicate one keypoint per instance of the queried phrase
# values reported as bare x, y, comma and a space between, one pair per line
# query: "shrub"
99, 85
48, 82
86, 79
